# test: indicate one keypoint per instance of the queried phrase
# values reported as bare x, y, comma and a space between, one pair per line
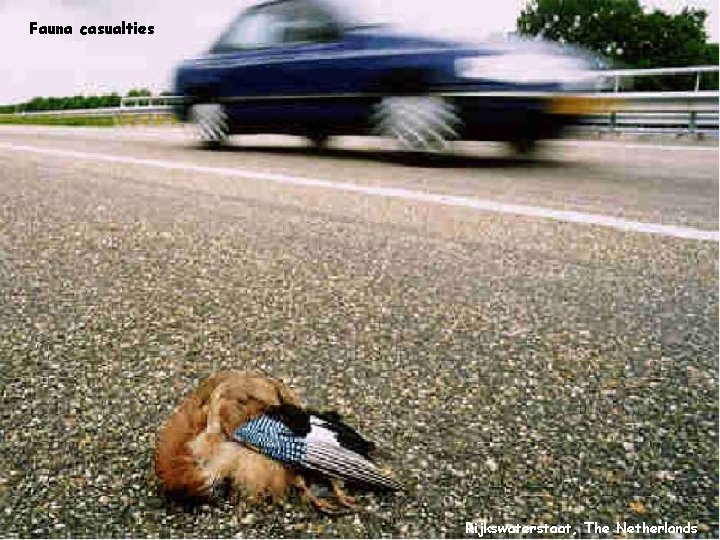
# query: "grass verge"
92, 121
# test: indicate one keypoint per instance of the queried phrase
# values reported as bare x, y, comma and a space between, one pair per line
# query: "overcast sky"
68, 65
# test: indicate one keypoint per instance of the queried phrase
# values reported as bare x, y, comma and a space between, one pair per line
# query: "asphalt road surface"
530, 341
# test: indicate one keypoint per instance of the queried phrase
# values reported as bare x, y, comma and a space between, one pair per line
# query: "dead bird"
250, 432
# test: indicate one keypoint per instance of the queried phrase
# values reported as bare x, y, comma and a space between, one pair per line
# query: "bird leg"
322, 505
342, 498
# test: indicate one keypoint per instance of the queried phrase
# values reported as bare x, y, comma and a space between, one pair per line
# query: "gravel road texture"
513, 369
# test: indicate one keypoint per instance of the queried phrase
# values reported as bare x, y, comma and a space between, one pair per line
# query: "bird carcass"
251, 432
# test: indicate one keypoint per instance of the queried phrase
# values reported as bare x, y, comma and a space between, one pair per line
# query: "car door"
319, 69
246, 64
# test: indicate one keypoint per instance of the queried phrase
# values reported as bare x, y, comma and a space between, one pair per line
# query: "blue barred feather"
273, 438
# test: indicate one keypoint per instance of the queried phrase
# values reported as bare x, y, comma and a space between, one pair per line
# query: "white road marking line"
135, 133
393, 193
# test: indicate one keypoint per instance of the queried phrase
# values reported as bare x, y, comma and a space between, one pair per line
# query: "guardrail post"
613, 114
692, 125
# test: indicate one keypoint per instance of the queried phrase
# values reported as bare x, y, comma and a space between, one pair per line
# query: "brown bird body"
195, 450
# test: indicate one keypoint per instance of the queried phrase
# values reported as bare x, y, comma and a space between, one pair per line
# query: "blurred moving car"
306, 67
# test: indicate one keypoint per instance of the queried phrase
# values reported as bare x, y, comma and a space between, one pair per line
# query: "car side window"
255, 30
304, 22
284, 23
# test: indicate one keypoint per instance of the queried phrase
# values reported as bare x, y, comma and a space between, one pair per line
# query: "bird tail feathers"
338, 462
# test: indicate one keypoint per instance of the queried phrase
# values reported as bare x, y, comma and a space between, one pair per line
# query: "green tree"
76, 102
601, 25
623, 32
61, 103
37, 104
139, 92
110, 100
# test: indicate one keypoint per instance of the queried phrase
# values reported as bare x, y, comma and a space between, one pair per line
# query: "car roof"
325, 7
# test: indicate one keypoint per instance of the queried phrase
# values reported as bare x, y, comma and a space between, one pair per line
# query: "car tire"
318, 140
524, 147
418, 123
211, 124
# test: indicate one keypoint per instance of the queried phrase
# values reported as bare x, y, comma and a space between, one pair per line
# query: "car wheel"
524, 147
318, 140
420, 123
211, 123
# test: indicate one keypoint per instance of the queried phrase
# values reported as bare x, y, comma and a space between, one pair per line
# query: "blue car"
304, 67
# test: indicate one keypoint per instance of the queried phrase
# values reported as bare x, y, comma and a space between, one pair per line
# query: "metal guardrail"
155, 114
149, 101
692, 112
100, 111
618, 74
681, 112
151, 106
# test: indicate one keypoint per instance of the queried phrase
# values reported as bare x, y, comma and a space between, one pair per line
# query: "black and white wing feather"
315, 441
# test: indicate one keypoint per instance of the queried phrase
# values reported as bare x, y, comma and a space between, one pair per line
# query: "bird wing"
346, 436
312, 444
335, 461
